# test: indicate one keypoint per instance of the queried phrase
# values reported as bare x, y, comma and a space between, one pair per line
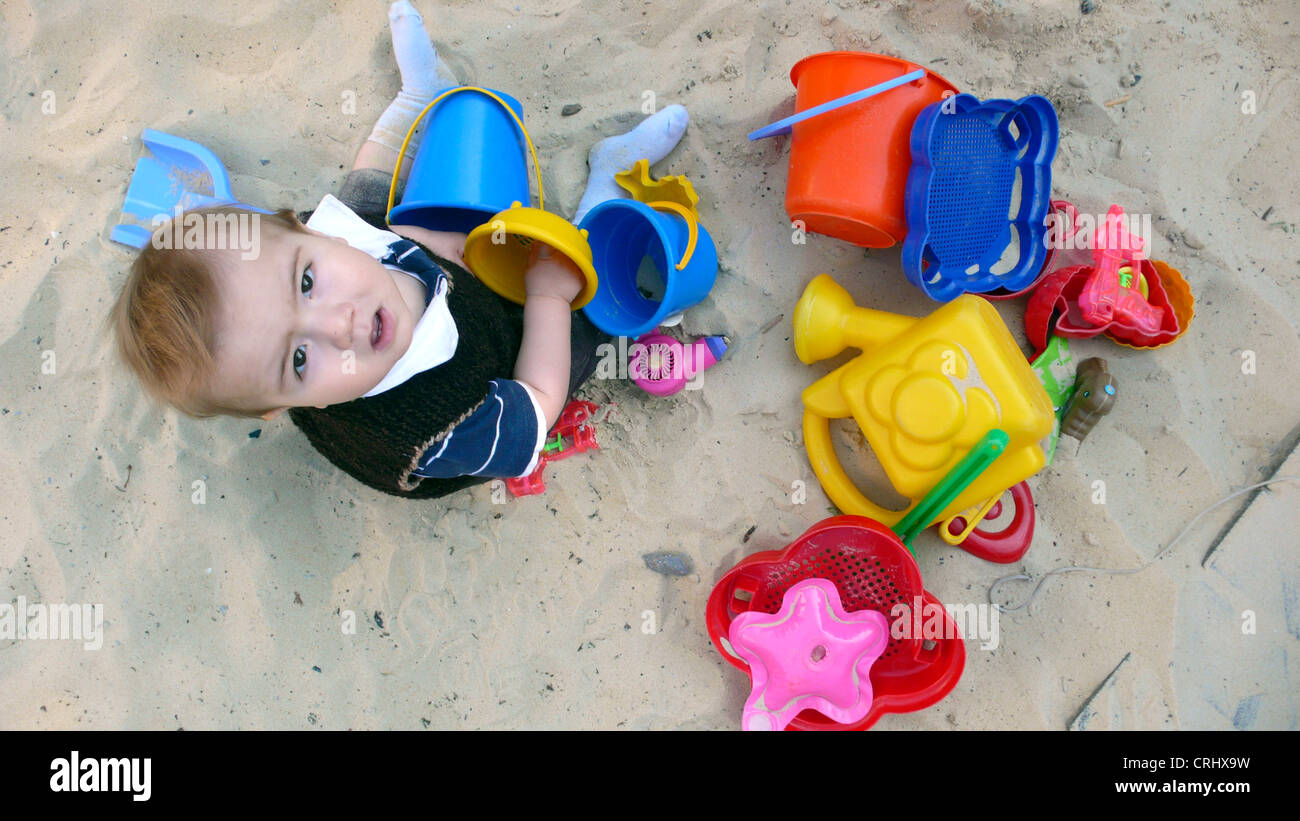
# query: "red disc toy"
871, 569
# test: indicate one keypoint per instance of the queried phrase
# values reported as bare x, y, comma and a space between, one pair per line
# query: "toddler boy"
388, 354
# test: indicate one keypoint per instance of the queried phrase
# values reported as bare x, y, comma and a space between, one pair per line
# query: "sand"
230, 565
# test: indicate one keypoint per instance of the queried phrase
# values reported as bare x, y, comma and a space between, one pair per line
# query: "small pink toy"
662, 366
810, 654
1112, 290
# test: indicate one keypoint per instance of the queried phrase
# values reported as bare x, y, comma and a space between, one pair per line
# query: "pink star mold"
809, 655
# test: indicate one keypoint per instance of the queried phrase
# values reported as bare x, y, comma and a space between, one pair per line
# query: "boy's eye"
299, 360
308, 279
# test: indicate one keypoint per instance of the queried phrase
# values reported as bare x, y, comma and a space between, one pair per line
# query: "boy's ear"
271, 414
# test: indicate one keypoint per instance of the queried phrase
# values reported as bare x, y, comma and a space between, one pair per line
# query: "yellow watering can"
924, 392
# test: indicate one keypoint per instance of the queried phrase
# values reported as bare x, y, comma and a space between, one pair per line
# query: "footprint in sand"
417, 622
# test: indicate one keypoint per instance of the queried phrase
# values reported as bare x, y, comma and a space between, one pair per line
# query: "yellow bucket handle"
692, 225
401, 154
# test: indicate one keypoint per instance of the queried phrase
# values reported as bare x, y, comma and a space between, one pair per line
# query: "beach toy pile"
645, 259
886, 152
924, 393
1136, 301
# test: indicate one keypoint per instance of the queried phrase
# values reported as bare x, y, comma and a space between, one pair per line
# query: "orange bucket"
849, 167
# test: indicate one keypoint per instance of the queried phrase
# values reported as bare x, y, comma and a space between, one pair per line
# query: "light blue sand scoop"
171, 172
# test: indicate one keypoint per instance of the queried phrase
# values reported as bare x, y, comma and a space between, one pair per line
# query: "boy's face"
311, 322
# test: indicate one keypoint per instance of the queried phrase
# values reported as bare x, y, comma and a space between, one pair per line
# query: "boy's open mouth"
381, 330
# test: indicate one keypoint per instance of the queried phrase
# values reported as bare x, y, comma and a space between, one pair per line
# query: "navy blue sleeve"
500, 439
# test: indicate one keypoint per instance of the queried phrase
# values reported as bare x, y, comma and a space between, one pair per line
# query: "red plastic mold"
1054, 308
871, 569
1006, 545
573, 425
530, 485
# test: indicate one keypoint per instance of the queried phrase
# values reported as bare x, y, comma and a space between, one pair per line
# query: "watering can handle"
837, 484
692, 225
401, 153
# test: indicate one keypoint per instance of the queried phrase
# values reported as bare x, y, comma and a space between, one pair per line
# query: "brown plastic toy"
1094, 394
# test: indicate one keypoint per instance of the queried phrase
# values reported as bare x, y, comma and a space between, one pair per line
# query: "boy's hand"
446, 244
551, 273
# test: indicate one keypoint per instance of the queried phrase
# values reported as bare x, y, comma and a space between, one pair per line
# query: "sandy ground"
540, 612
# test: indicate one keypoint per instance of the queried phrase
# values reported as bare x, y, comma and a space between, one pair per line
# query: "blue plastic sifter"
980, 171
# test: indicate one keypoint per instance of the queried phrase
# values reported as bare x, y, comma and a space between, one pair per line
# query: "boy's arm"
446, 244
551, 284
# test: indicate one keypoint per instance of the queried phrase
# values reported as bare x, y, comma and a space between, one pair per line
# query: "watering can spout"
826, 321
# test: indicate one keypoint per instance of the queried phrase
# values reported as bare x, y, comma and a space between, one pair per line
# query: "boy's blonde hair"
164, 318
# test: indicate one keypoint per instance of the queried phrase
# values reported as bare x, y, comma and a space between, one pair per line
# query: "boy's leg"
424, 75
652, 140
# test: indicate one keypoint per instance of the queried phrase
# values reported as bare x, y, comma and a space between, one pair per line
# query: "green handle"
951, 486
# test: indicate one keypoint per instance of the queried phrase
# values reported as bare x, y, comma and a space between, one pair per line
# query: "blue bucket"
624, 235
471, 164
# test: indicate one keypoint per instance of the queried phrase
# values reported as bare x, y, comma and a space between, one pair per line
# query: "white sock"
423, 77
652, 140
423, 74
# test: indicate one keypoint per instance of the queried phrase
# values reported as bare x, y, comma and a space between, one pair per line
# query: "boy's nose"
342, 326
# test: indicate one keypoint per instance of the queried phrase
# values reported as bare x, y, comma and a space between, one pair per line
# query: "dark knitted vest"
379, 440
